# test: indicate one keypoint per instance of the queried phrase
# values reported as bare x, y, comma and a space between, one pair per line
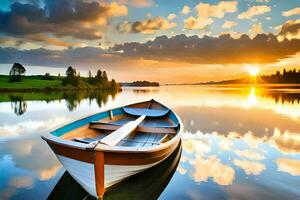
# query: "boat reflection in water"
146, 185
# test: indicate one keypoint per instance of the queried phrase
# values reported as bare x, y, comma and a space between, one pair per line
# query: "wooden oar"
125, 130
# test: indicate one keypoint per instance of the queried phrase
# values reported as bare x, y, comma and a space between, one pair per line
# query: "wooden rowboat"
105, 148
147, 185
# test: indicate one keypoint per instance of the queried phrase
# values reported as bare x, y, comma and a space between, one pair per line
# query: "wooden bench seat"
142, 129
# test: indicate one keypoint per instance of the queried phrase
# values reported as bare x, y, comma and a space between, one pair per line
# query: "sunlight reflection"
252, 100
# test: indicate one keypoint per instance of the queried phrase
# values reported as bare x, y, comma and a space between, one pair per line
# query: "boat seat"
122, 132
142, 129
146, 111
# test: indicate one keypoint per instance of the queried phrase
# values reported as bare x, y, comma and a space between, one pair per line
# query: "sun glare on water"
253, 71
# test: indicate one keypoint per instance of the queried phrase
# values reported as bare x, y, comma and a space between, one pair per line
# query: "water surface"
238, 143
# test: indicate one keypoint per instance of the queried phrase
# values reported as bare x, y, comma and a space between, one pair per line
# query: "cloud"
294, 11
137, 3
290, 166
21, 182
147, 26
60, 18
185, 10
254, 168
226, 144
212, 167
193, 23
254, 11
262, 1
287, 142
290, 30
229, 24
171, 16
264, 48
252, 155
255, 30
224, 49
206, 10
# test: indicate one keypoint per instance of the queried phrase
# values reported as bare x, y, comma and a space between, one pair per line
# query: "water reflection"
146, 185
72, 98
238, 142
18, 105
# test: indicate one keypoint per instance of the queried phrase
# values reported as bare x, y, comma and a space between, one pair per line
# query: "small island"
16, 81
141, 84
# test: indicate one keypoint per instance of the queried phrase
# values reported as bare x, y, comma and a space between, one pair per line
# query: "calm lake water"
238, 143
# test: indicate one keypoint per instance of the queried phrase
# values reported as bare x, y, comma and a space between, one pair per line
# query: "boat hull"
84, 174
98, 175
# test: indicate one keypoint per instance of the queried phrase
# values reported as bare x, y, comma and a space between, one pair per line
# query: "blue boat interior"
159, 125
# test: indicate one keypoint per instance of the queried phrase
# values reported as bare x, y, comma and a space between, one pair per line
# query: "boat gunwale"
48, 137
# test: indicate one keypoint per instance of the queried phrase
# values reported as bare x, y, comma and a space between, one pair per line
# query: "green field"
34, 82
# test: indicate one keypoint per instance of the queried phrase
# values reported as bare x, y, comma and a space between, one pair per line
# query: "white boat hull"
84, 174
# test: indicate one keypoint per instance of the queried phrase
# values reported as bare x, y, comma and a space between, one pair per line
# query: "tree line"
291, 76
99, 81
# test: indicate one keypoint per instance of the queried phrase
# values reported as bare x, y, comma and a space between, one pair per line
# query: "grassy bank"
36, 84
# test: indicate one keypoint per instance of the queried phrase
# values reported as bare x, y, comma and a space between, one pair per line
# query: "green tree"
104, 75
71, 72
98, 77
114, 83
16, 71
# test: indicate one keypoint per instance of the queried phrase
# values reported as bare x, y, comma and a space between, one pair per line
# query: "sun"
253, 71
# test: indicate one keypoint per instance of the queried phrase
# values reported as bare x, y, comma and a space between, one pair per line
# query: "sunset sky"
158, 40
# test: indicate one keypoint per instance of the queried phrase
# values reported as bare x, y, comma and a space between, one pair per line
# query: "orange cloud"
148, 26
290, 166
193, 23
21, 182
229, 24
212, 168
254, 168
185, 10
206, 10
249, 154
294, 11
290, 30
254, 11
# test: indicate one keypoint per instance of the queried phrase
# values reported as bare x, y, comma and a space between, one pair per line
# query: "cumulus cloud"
294, 11
206, 10
254, 168
288, 165
224, 49
205, 13
254, 11
212, 167
193, 23
185, 10
290, 30
137, 3
171, 16
255, 29
229, 24
263, 1
249, 154
21, 182
147, 26
76, 18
